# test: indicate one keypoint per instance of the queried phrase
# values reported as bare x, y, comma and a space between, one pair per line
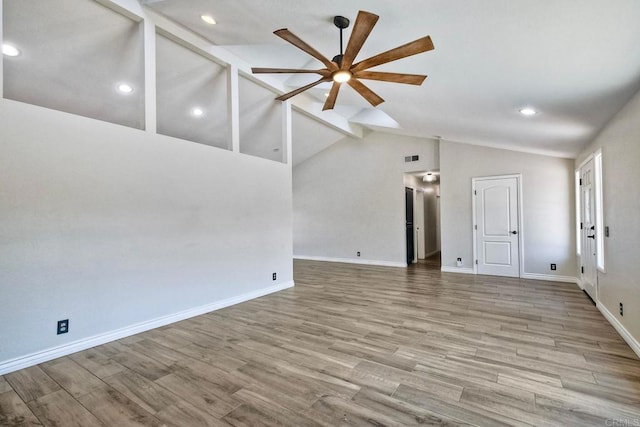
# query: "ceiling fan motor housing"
340, 22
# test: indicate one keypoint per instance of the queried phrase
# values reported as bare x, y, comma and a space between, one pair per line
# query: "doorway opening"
423, 187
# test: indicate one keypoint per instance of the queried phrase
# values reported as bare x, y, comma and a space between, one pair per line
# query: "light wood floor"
353, 345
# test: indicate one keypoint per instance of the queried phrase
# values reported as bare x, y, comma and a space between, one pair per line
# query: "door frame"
598, 220
474, 231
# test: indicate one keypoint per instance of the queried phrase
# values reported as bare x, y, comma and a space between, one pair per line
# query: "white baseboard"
633, 343
550, 278
83, 344
352, 261
462, 270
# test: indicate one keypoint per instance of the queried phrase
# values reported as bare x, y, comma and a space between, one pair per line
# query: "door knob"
591, 237
514, 232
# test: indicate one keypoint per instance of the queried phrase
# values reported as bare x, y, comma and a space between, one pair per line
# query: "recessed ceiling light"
208, 19
528, 111
197, 112
125, 88
9, 50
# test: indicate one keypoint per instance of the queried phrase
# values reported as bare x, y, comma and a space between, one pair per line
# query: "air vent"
413, 158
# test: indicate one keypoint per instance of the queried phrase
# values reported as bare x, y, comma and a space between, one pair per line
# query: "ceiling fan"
341, 68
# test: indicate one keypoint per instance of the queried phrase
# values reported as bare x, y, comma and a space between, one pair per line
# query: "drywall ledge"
73, 347
352, 261
633, 343
550, 278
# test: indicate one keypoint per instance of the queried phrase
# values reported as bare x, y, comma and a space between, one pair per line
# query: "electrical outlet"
63, 326
553, 266
621, 309
459, 262
274, 276
358, 253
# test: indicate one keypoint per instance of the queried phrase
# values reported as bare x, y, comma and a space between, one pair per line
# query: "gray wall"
548, 198
431, 217
110, 226
620, 143
350, 197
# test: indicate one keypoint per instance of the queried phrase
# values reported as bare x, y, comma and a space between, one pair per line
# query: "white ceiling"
575, 61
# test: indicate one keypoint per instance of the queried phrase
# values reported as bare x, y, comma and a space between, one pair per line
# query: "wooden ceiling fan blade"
302, 45
361, 30
412, 48
410, 79
331, 99
257, 70
302, 89
365, 92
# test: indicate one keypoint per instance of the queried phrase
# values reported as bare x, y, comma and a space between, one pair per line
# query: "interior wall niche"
74, 56
192, 95
260, 122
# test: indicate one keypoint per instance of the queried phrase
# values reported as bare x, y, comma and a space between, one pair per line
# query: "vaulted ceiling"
576, 62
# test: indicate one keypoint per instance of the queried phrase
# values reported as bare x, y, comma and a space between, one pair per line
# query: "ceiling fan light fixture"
341, 76
208, 19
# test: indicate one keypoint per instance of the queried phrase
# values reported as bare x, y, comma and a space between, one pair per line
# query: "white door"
588, 233
497, 238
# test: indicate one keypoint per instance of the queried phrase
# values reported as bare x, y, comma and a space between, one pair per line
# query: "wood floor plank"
97, 363
113, 408
72, 377
31, 383
200, 393
14, 412
4, 385
353, 345
61, 409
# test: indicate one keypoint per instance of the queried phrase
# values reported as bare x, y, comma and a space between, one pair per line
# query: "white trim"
83, 344
597, 166
461, 270
550, 278
352, 261
233, 107
1, 55
633, 343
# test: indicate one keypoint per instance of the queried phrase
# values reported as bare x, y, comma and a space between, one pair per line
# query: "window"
192, 98
578, 232
95, 70
599, 211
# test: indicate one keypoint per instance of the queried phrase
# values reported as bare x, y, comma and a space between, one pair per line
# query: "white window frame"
578, 213
597, 160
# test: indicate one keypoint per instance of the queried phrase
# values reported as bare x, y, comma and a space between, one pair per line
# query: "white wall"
548, 199
620, 143
350, 198
111, 226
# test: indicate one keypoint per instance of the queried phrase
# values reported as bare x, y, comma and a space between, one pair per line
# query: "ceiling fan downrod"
341, 22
